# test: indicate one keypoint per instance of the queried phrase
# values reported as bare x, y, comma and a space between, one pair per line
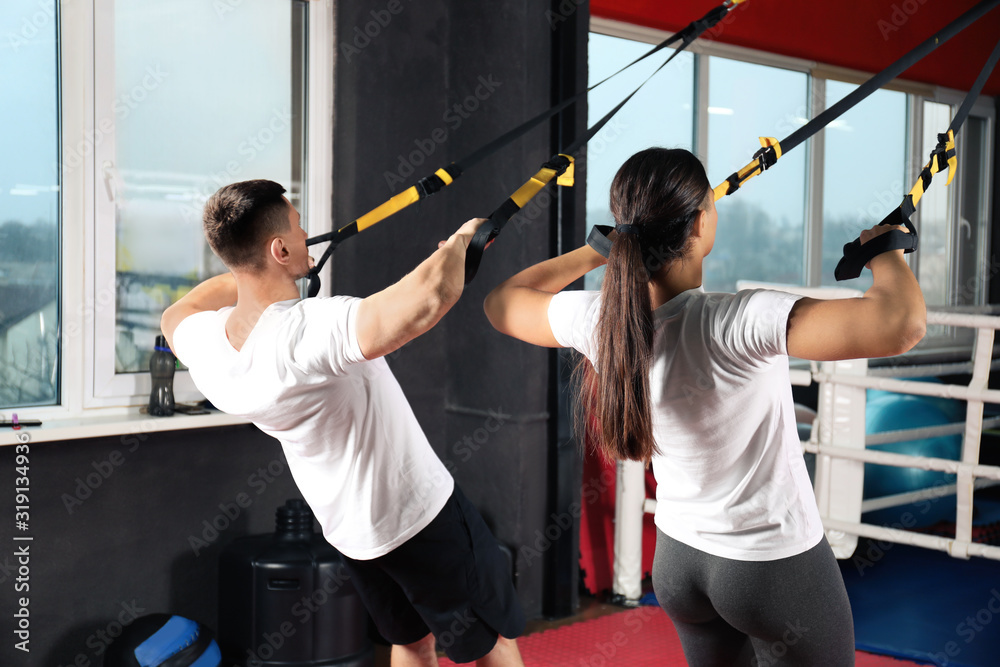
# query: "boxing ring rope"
839, 441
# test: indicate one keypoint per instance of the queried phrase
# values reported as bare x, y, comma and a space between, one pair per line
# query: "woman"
697, 383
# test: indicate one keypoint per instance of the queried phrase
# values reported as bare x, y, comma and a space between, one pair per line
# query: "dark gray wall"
119, 528
396, 100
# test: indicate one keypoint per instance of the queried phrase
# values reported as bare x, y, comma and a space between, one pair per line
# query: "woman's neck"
674, 279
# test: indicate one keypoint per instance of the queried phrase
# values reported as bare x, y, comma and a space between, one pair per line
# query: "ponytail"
655, 199
619, 398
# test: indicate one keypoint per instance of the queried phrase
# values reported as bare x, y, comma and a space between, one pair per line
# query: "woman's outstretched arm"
888, 320
519, 306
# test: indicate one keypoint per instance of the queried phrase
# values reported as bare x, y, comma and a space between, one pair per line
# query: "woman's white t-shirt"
731, 479
353, 445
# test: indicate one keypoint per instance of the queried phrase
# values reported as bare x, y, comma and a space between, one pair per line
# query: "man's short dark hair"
241, 217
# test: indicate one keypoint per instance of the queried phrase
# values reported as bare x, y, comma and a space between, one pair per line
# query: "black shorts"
451, 579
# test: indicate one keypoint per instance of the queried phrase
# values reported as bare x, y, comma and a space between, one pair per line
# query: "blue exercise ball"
892, 412
952, 408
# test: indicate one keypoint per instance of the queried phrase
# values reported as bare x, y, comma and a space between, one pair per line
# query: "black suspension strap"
562, 165
447, 175
856, 254
425, 187
559, 167
772, 149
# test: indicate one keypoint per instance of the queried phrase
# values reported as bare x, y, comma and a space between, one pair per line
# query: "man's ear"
278, 250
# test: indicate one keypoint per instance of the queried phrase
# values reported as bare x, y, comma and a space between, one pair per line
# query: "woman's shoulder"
756, 301
575, 299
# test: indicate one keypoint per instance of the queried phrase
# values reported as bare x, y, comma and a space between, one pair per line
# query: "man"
311, 374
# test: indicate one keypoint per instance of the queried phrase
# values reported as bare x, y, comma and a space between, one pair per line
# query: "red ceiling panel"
865, 35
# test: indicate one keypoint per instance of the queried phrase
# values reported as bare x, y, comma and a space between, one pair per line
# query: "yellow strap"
917, 191
771, 141
733, 3
567, 178
444, 176
534, 184
394, 205
751, 170
524, 193
953, 160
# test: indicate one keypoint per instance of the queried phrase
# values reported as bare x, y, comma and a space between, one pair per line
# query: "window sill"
130, 423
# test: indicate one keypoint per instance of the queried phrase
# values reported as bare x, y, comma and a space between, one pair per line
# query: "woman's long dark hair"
659, 192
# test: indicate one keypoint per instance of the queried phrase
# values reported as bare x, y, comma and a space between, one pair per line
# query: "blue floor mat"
924, 605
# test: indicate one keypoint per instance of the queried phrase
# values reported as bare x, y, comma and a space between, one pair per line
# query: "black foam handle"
598, 239
482, 238
314, 283
485, 235
857, 255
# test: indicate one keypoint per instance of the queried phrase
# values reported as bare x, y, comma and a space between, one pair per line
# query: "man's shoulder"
194, 330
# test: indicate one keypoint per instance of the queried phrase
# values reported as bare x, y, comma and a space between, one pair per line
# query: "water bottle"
161, 370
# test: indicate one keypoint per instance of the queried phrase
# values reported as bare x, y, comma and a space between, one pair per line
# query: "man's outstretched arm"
214, 293
389, 319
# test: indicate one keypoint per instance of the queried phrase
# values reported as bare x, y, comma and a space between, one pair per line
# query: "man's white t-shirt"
353, 445
731, 479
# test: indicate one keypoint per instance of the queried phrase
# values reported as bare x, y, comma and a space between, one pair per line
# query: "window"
661, 114
196, 96
122, 117
761, 227
30, 212
864, 171
935, 241
790, 224
972, 271
953, 223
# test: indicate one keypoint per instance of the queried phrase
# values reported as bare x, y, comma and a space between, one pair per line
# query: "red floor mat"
638, 638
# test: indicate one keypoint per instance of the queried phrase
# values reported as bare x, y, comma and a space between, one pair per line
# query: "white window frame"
819, 74
983, 110
90, 403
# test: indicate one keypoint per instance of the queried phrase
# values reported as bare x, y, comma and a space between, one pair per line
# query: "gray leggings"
791, 611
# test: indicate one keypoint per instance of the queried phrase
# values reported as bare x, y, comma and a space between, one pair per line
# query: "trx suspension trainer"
559, 167
857, 255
